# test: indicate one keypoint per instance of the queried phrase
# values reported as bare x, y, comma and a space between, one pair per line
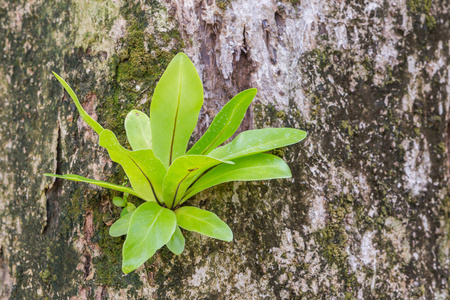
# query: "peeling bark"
366, 212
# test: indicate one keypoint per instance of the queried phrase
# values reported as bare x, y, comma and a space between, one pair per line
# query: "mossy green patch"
333, 239
223, 4
419, 7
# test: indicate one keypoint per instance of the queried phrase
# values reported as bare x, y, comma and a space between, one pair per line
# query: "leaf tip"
127, 269
229, 237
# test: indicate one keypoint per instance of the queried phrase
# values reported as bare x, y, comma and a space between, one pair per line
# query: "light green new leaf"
257, 141
120, 202
176, 243
204, 222
139, 133
183, 171
120, 227
124, 212
225, 123
130, 207
104, 184
145, 171
174, 110
91, 122
255, 167
151, 227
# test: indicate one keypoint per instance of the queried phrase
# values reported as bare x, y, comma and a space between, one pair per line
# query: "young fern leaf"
174, 110
87, 118
104, 184
255, 167
151, 227
176, 243
182, 173
257, 141
143, 168
120, 227
139, 133
203, 222
225, 123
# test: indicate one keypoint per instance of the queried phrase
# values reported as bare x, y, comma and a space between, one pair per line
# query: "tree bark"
365, 214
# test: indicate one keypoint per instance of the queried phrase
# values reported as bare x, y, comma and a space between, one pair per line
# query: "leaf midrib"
176, 115
257, 147
150, 227
202, 220
224, 127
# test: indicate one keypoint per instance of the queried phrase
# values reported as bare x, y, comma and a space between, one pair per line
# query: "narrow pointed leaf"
204, 222
257, 141
255, 167
139, 133
88, 119
174, 110
104, 184
120, 227
182, 173
151, 227
145, 171
225, 123
176, 243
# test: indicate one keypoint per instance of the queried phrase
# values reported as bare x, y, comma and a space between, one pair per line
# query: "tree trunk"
365, 214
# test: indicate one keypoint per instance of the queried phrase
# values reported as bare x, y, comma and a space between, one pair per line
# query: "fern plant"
163, 174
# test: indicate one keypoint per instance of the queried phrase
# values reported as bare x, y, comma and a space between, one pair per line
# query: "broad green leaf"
257, 141
91, 122
204, 222
151, 227
255, 167
144, 170
183, 171
139, 134
176, 243
174, 110
120, 227
130, 207
225, 123
104, 184
120, 202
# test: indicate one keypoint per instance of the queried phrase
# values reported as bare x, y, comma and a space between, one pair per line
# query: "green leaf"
120, 227
124, 212
176, 243
144, 170
257, 141
104, 184
151, 227
91, 122
204, 222
182, 173
130, 207
255, 167
139, 133
174, 110
225, 123
119, 202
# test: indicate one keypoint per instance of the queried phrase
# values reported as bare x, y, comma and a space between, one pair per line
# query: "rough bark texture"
366, 212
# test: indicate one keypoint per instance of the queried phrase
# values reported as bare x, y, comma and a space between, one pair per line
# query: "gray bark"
366, 212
